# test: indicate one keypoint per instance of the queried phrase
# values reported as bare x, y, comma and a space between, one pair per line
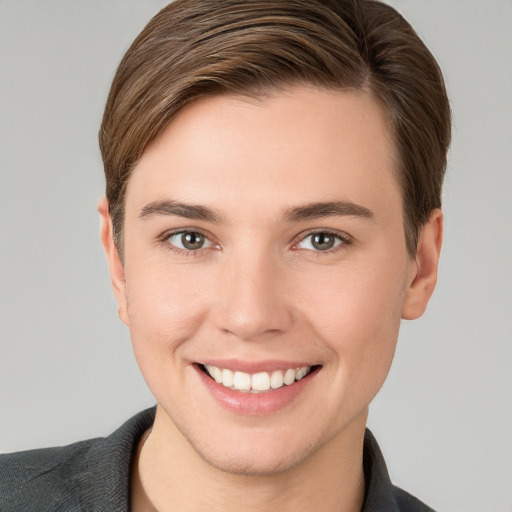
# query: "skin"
260, 291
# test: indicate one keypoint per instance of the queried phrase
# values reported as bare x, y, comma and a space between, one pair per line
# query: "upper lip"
255, 366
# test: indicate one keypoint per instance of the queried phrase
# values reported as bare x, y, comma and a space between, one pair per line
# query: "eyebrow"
327, 209
188, 211
296, 214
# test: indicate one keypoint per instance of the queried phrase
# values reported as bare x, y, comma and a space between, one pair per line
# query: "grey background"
443, 418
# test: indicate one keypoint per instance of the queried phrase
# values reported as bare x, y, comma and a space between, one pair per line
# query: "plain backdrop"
443, 418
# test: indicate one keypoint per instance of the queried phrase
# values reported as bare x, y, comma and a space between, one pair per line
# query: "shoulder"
40, 478
380, 493
88, 475
409, 503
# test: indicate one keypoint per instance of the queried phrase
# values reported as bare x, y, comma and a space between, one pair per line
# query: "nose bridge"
253, 299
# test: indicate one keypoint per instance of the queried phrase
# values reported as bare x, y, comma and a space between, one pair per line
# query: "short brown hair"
197, 48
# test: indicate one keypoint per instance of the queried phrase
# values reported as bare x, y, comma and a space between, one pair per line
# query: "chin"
256, 452
252, 462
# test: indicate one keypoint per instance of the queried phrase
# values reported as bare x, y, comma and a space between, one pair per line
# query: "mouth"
261, 382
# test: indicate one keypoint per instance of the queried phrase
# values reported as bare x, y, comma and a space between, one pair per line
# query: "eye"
189, 240
321, 241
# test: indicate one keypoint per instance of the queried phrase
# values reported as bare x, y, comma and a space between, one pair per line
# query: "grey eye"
321, 241
189, 240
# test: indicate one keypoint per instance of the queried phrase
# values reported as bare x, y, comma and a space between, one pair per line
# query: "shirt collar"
106, 469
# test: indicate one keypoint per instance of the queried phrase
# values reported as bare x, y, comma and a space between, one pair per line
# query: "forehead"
298, 145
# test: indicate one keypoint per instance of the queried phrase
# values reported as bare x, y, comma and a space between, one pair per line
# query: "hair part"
197, 48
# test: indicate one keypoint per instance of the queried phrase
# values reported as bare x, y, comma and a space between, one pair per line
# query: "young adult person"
272, 212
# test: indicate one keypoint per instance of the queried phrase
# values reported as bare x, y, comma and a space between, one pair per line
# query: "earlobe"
423, 281
114, 261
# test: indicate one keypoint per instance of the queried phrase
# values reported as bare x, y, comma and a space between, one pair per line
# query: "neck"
173, 477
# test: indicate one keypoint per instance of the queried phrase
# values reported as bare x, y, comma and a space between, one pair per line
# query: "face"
263, 237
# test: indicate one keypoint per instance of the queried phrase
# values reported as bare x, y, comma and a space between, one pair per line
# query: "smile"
258, 382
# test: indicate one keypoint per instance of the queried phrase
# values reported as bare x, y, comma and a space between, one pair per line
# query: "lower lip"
254, 404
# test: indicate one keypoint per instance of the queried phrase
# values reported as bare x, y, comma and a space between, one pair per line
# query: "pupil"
192, 240
323, 241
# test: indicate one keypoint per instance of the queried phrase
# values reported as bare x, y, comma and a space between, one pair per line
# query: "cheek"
165, 309
357, 314
359, 322
355, 299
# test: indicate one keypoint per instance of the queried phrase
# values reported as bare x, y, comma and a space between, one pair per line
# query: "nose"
253, 300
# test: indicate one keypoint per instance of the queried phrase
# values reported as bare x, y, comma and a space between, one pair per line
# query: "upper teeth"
262, 381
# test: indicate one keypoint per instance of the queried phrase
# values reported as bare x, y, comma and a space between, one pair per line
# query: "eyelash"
345, 241
344, 238
184, 252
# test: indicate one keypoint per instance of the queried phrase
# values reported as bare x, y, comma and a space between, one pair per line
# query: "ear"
114, 261
424, 269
